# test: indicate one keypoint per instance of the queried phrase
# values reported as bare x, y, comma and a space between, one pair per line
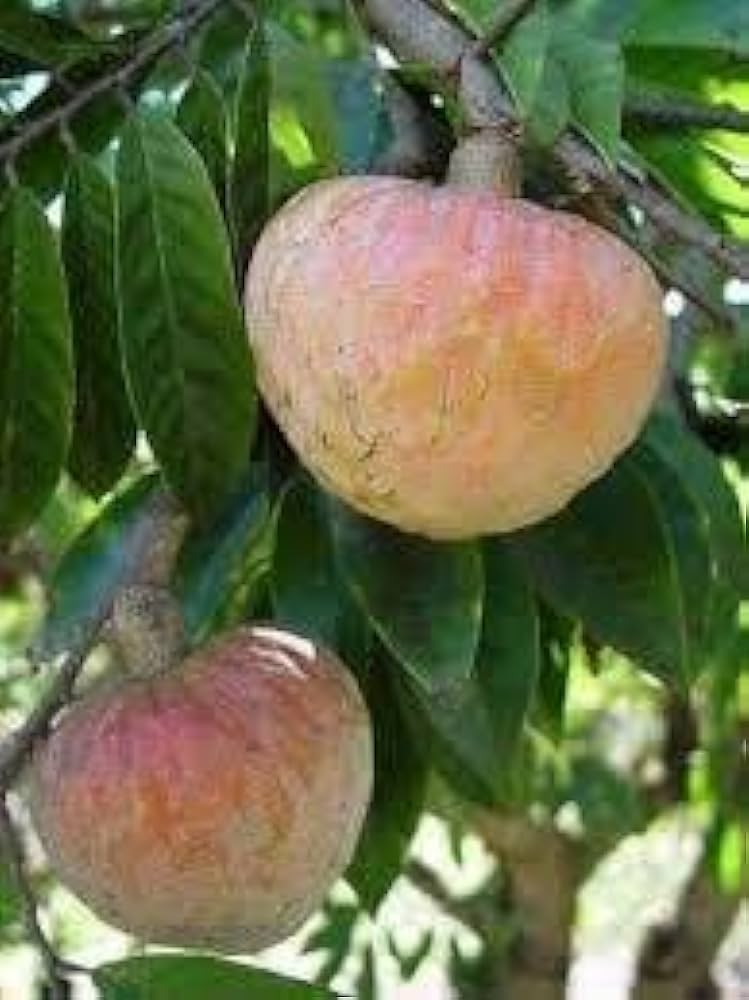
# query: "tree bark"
544, 872
675, 963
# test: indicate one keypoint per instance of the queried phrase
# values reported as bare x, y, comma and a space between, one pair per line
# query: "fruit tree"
373, 453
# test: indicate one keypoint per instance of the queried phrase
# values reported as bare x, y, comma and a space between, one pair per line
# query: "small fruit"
447, 360
212, 804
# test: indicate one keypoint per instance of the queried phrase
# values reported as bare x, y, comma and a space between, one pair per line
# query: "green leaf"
702, 24
220, 563
523, 55
606, 560
185, 350
702, 476
36, 365
595, 76
102, 18
89, 573
306, 591
336, 104
248, 180
398, 799
509, 656
422, 598
688, 541
104, 429
478, 758
192, 977
43, 40
549, 114
202, 117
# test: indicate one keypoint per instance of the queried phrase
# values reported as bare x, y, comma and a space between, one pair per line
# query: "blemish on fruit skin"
472, 361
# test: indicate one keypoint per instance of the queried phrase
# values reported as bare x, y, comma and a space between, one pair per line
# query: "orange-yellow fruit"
447, 360
212, 805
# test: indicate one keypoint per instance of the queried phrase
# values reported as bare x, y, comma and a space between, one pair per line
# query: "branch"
501, 25
154, 45
417, 32
151, 551
55, 967
669, 112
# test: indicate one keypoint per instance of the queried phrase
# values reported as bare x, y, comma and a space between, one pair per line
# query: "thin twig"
501, 24
55, 967
668, 112
417, 33
154, 45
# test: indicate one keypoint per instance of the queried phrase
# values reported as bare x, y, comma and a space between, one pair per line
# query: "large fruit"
447, 360
213, 804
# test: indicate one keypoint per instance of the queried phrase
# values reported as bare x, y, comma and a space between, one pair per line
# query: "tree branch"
416, 32
54, 966
154, 45
670, 112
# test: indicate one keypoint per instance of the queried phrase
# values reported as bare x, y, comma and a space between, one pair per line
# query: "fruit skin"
214, 804
447, 360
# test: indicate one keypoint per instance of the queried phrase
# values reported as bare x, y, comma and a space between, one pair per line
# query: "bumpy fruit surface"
447, 360
214, 804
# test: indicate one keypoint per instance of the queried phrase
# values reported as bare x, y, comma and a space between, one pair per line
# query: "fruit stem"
486, 160
148, 630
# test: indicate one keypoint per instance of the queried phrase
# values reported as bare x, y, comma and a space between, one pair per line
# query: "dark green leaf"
185, 350
703, 24
43, 40
306, 591
702, 476
248, 181
224, 562
509, 655
550, 111
477, 757
400, 780
104, 429
202, 117
688, 540
90, 571
103, 18
189, 977
422, 598
36, 365
606, 560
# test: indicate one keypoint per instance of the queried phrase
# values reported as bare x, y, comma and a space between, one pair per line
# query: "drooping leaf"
202, 117
104, 428
606, 560
398, 799
249, 179
184, 346
307, 593
90, 571
189, 977
478, 757
702, 476
221, 563
688, 540
36, 365
430, 619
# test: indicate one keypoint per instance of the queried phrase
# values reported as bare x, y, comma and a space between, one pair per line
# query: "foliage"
125, 226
